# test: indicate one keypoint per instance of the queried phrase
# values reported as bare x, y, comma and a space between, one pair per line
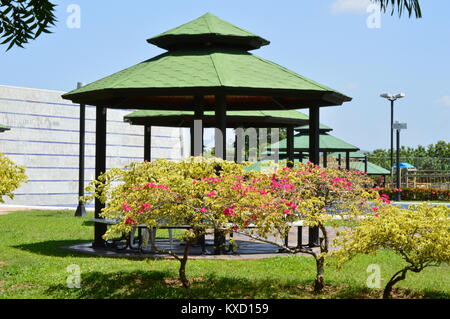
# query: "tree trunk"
182, 270
319, 283
401, 275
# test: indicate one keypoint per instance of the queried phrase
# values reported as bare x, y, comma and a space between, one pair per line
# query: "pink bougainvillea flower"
235, 228
146, 206
374, 209
203, 210
287, 212
211, 194
291, 205
129, 221
377, 215
229, 210
126, 208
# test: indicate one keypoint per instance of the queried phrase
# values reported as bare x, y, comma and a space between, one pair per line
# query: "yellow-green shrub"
11, 176
420, 235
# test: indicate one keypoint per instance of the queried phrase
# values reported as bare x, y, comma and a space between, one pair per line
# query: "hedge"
421, 194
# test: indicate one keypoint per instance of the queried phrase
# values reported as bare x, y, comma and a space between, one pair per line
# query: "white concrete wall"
44, 138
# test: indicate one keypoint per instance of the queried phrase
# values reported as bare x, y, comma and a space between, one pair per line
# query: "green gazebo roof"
208, 30
352, 154
327, 143
372, 169
234, 118
322, 128
4, 128
171, 81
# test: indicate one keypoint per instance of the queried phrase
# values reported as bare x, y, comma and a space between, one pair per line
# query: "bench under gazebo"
207, 67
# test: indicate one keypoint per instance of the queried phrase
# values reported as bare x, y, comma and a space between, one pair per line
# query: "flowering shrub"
11, 176
159, 193
418, 193
420, 235
305, 192
212, 195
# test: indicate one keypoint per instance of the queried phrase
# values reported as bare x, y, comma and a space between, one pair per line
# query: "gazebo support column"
314, 135
81, 209
220, 151
325, 159
290, 146
347, 161
147, 143
100, 168
365, 164
220, 135
313, 232
197, 128
239, 145
339, 161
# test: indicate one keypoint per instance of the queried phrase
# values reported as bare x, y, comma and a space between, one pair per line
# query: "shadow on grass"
160, 284
53, 248
164, 284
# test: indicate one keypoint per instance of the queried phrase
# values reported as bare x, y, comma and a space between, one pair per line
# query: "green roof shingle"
208, 29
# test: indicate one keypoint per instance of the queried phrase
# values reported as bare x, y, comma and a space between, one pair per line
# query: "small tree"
420, 235
11, 176
164, 193
305, 192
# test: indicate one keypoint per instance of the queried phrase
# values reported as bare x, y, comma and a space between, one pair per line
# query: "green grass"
32, 265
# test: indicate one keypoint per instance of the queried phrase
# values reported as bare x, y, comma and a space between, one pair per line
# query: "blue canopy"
404, 165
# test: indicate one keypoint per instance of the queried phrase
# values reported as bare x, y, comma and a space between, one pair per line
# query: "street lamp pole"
392, 98
398, 127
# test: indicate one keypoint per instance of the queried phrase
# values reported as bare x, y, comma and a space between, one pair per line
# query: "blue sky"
326, 40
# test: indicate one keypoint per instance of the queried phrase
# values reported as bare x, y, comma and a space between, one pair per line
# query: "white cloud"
350, 6
445, 100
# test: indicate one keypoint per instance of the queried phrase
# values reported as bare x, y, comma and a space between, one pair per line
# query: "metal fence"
429, 172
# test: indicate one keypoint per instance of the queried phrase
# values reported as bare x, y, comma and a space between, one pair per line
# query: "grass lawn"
33, 266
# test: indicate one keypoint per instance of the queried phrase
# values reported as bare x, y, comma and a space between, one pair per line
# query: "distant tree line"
433, 157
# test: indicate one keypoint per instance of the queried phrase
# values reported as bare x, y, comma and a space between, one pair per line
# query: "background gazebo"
235, 119
327, 144
207, 67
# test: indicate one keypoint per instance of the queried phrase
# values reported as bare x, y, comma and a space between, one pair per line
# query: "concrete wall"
44, 138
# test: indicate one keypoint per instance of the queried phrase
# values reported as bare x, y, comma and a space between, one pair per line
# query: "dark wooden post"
314, 135
239, 144
220, 149
325, 159
147, 143
347, 161
221, 126
290, 146
100, 168
81, 209
365, 164
197, 131
314, 118
339, 161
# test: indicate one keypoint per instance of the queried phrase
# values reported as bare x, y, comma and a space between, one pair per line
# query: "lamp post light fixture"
392, 98
398, 127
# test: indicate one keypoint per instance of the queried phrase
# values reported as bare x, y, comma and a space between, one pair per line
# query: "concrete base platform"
245, 250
